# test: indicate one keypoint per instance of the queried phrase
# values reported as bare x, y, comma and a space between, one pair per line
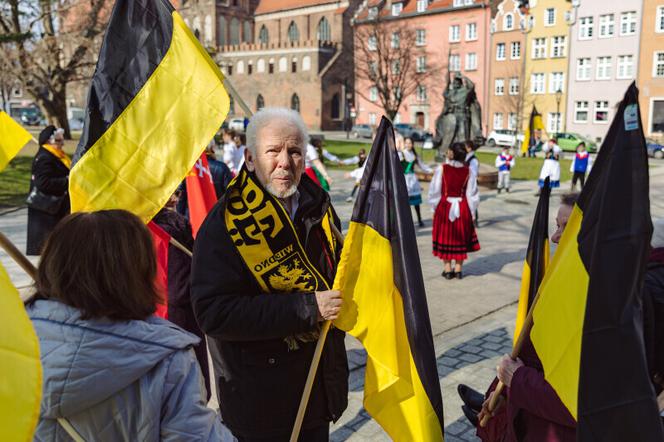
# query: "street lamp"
559, 96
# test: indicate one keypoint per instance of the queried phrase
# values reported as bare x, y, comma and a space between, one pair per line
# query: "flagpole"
178, 245
525, 331
313, 368
17, 256
229, 86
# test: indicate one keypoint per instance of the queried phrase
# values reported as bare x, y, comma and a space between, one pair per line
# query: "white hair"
268, 114
657, 234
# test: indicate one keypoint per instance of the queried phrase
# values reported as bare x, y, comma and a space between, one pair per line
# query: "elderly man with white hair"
264, 263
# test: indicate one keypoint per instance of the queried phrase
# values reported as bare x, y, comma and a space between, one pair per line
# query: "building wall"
651, 86
507, 109
546, 102
594, 91
436, 22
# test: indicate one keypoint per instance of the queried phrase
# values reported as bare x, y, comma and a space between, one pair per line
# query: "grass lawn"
525, 168
15, 182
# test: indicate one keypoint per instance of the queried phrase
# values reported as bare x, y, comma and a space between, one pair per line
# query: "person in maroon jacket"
529, 410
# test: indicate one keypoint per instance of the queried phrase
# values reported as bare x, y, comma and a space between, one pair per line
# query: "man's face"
564, 213
279, 159
59, 140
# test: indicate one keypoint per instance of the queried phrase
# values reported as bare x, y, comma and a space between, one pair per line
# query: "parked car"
362, 131
568, 141
236, 124
428, 142
655, 149
410, 131
31, 117
76, 124
501, 137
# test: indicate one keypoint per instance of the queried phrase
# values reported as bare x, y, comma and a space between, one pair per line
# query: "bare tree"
52, 44
386, 58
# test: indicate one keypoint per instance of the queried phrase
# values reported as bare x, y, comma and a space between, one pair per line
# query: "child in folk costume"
409, 160
473, 191
313, 164
359, 159
551, 166
581, 164
504, 164
454, 233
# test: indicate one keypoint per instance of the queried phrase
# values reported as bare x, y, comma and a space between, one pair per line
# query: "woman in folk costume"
551, 166
453, 229
409, 160
48, 201
473, 191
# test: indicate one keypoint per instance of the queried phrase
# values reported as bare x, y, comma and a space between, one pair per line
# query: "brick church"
290, 53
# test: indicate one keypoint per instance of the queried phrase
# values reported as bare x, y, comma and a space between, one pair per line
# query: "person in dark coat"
180, 311
50, 175
262, 318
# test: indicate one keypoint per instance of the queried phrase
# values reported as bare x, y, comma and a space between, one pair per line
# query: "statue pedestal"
488, 177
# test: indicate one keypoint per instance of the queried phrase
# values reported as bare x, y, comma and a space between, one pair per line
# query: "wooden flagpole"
178, 245
311, 376
17, 256
516, 350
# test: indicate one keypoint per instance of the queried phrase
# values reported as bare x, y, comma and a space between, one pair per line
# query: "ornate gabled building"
292, 53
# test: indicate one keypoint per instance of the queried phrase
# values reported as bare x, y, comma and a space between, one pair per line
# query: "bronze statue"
461, 118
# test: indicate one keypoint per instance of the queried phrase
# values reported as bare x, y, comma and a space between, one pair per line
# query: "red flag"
161, 240
201, 195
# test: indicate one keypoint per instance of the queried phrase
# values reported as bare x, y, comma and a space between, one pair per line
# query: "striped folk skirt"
453, 240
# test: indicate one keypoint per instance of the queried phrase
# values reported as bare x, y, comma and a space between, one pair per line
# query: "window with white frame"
550, 17
606, 25
373, 94
628, 23
586, 28
396, 9
372, 43
553, 122
498, 120
556, 82
372, 118
457, 3
422, 5
508, 22
500, 51
659, 20
601, 112
583, 69
537, 85
580, 111
558, 46
499, 86
421, 37
455, 63
455, 33
283, 64
373, 12
514, 86
515, 50
421, 64
511, 121
658, 65
539, 48
471, 61
421, 93
657, 120
395, 41
603, 68
471, 31
625, 67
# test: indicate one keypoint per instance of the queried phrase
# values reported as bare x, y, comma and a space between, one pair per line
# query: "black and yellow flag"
537, 258
535, 124
385, 304
588, 322
155, 101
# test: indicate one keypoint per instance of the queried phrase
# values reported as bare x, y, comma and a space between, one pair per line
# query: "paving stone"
495, 339
491, 346
470, 349
448, 362
470, 358
452, 353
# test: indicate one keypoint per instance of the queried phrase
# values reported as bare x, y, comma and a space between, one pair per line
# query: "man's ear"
249, 160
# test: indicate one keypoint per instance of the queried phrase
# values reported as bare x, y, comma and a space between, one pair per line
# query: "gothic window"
324, 33
235, 31
293, 32
295, 103
221, 31
260, 102
263, 35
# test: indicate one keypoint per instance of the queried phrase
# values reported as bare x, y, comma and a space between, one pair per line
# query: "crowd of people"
255, 297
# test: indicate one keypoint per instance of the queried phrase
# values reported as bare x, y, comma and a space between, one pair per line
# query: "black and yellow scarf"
59, 154
264, 235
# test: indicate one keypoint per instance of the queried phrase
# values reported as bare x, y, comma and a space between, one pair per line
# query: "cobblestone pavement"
472, 319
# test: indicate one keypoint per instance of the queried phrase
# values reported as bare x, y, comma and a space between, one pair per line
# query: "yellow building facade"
547, 51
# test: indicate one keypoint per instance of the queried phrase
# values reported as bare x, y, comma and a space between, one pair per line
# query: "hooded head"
46, 134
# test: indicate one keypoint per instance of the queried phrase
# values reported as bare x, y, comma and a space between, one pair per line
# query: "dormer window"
396, 9
373, 12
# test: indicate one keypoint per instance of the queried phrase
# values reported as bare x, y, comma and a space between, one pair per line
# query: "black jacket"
653, 321
259, 381
180, 311
52, 178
